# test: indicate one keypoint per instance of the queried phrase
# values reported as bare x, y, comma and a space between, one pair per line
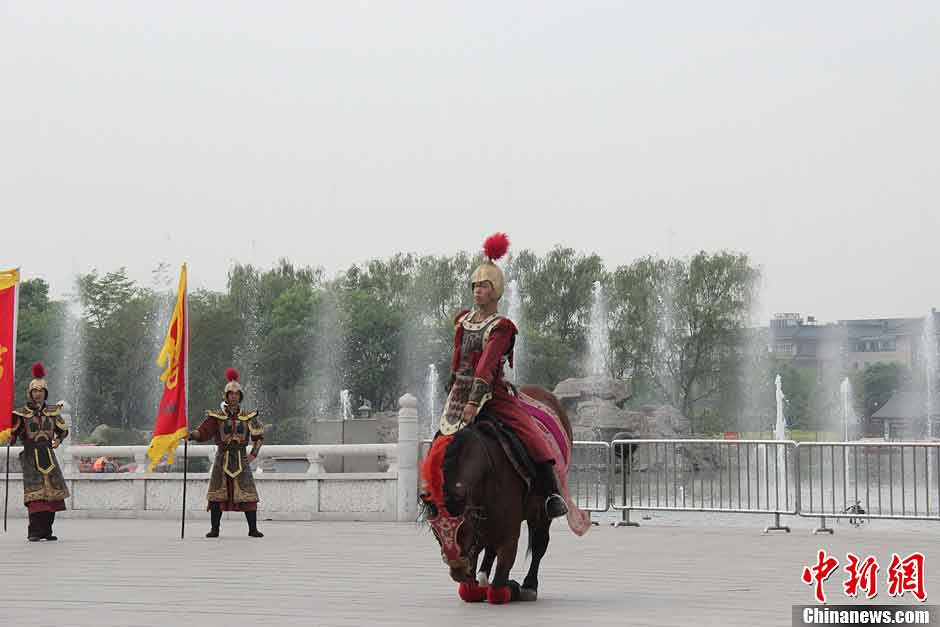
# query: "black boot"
34, 531
50, 519
252, 518
215, 514
554, 504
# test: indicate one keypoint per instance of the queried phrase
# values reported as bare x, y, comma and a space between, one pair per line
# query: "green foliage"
557, 295
876, 384
299, 338
39, 329
677, 328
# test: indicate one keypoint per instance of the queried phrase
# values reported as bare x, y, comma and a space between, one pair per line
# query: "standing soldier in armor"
231, 486
41, 429
483, 342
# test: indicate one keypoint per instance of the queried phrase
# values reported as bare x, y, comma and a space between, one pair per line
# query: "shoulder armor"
500, 321
215, 414
23, 412
463, 313
52, 410
247, 415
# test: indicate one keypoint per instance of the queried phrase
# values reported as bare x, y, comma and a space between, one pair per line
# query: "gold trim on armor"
476, 326
480, 392
47, 470
225, 466
489, 329
242, 417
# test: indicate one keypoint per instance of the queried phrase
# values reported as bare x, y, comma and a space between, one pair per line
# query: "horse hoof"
470, 592
528, 594
498, 596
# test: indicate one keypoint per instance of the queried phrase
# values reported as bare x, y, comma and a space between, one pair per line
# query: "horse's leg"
483, 577
501, 589
470, 590
539, 541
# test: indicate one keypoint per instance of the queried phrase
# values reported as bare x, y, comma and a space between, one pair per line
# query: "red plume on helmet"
496, 246
231, 374
39, 371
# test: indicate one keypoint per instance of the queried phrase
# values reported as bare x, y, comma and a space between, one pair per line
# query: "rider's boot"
554, 504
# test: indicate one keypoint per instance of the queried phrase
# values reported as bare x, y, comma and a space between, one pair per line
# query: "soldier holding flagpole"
42, 429
231, 486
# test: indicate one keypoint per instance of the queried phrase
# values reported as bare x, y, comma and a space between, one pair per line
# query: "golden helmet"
494, 248
231, 375
39, 380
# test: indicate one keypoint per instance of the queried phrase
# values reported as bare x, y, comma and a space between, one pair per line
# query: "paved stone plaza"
138, 572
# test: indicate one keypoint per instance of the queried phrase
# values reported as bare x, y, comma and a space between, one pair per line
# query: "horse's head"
458, 526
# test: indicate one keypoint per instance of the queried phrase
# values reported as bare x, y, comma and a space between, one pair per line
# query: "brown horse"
486, 501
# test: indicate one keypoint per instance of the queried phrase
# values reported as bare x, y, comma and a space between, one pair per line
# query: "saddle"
512, 446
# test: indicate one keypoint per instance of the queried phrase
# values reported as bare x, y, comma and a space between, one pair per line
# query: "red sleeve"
17, 425
458, 339
501, 339
206, 430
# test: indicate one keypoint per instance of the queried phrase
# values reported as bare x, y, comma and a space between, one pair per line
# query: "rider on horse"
483, 342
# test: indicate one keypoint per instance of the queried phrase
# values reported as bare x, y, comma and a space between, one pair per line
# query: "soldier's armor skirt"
231, 484
42, 478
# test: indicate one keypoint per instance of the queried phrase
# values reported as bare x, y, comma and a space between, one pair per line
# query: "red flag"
9, 286
172, 423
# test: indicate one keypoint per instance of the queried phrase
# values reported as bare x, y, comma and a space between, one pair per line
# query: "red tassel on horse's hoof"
498, 596
470, 592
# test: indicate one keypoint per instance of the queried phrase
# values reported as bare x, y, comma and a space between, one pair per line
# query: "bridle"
446, 527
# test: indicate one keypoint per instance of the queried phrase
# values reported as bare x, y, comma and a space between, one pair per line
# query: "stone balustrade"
311, 495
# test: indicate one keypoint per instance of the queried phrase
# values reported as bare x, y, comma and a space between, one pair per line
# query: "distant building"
847, 344
903, 416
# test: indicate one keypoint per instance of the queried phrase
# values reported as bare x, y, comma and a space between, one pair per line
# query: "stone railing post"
407, 458
316, 463
65, 458
141, 460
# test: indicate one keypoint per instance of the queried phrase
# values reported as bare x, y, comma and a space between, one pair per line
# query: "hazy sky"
803, 133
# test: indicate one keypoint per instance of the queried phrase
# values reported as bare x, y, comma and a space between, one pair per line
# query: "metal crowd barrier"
864, 480
856, 481
589, 475
732, 476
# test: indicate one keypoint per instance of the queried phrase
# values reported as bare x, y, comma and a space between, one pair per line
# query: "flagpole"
186, 392
6, 489
185, 466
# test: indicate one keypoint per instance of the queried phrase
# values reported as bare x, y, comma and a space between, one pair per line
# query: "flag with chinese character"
172, 424
9, 286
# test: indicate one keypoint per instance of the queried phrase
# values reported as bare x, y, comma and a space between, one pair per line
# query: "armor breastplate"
234, 431
475, 336
38, 433
39, 428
